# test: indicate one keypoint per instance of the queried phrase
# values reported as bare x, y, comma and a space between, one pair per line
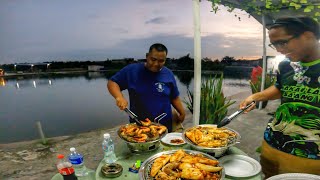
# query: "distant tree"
227, 60
185, 62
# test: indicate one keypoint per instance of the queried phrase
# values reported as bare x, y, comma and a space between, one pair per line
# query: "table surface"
126, 159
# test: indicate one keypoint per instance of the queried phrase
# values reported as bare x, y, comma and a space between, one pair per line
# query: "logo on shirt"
159, 86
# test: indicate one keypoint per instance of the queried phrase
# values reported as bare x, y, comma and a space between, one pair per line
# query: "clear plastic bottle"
65, 168
76, 160
108, 149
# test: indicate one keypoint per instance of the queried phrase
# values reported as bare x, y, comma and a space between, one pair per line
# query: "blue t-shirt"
150, 93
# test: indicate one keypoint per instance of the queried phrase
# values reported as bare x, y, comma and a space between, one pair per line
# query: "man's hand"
181, 117
121, 103
247, 101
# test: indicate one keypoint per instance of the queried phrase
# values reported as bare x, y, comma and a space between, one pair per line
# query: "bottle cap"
60, 156
72, 149
106, 135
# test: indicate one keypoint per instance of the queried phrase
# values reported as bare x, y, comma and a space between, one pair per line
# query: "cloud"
35, 32
157, 20
214, 46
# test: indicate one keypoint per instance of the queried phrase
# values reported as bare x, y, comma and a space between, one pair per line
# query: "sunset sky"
60, 30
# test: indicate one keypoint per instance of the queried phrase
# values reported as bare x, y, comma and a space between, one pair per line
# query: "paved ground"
32, 160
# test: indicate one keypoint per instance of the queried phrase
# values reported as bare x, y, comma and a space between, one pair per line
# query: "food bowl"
143, 147
216, 152
145, 169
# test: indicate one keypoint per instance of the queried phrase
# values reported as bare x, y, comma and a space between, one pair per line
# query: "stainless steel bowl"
142, 147
216, 152
144, 171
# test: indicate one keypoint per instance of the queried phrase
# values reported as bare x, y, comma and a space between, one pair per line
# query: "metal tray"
216, 152
144, 171
140, 147
294, 176
240, 166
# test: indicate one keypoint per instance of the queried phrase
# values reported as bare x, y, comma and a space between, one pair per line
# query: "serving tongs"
133, 116
228, 119
159, 118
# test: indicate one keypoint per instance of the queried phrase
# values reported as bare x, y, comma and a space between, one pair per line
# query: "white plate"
171, 136
294, 176
240, 166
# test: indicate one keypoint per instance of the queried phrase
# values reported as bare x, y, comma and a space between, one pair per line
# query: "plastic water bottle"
65, 168
76, 160
108, 149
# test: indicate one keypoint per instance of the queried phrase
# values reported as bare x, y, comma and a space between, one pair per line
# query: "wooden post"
39, 127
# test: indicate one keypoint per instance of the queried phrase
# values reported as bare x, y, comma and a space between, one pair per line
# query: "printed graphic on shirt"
303, 93
297, 122
299, 71
159, 86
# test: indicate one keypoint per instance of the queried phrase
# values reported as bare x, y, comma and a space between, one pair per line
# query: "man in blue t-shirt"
152, 88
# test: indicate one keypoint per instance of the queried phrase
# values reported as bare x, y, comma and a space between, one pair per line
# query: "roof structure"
300, 8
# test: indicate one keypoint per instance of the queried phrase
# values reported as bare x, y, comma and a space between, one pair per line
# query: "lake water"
70, 104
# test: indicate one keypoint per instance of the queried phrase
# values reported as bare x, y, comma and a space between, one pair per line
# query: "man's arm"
177, 104
114, 90
270, 93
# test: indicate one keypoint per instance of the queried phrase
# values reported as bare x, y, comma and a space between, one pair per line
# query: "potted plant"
256, 80
213, 104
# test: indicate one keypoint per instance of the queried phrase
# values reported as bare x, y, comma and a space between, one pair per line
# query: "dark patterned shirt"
295, 128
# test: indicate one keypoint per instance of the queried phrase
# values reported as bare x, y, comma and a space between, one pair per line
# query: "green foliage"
250, 6
258, 150
213, 104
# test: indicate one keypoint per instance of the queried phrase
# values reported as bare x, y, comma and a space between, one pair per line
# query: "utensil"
133, 116
228, 119
160, 117
145, 169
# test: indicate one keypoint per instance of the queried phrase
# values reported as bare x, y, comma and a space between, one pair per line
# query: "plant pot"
264, 104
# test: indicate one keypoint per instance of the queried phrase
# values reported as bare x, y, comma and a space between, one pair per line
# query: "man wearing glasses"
292, 139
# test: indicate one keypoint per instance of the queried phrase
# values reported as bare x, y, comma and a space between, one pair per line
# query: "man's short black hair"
159, 47
297, 25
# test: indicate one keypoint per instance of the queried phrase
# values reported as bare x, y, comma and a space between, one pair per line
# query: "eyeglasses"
281, 43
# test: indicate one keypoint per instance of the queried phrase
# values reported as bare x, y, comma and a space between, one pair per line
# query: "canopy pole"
264, 59
197, 62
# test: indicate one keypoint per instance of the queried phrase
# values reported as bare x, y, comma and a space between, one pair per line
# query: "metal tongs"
159, 118
133, 116
228, 119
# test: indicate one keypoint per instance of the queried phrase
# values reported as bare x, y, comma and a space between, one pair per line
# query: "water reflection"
2, 82
33, 83
185, 77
